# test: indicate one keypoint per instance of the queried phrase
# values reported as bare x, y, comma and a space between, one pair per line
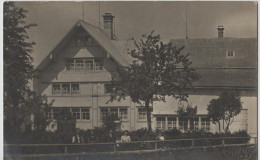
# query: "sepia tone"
78, 57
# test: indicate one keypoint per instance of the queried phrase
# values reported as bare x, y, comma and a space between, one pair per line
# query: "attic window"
83, 41
84, 64
230, 54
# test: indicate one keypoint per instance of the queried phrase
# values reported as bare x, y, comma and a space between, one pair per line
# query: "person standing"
125, 137
77, 138
110, 136
92, 138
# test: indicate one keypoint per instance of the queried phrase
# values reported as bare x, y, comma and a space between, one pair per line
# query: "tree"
187, 112
111, 122
224, 109
19, 101
18, 68
158, 70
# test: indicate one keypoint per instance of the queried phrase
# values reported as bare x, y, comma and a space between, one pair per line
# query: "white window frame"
142, 114
95, 64
80, 112
230, 54
161, 122
205, 124
61, 93
171, 124
195, 124
118, 112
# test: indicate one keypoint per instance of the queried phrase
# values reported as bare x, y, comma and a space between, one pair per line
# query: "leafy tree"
187, 112
158, 70
110, 122
18, 68
224, 109
19, 102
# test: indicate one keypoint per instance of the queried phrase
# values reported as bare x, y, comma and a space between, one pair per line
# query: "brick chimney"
108, 24
220, 31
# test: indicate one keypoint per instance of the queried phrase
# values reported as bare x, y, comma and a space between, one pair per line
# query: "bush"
137, 135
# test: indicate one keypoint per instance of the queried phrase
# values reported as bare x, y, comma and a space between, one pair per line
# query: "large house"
76, 72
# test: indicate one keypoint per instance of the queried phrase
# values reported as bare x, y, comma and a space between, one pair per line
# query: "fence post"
66, 149
155, 147
115, 147
223, 141
193, 149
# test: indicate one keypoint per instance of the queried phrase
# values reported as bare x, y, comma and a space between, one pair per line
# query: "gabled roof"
97, 34
211, 52
209, 58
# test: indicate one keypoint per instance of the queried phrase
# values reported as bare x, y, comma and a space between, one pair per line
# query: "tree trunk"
223, 125
219, 126
148, 111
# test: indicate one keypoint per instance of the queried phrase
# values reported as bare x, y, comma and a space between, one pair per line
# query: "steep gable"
99, 37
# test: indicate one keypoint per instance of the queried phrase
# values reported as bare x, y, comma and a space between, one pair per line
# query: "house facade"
76, 73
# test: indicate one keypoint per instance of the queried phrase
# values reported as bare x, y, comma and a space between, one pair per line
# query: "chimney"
108, 24
220, 31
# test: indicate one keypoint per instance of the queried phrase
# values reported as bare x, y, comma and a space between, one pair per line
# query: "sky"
133, 19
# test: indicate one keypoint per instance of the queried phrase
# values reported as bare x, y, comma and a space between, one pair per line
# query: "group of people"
77, 138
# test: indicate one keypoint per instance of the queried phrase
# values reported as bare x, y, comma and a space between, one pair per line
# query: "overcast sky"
132, 19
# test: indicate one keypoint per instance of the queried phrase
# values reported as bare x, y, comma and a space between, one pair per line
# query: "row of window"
71, 88
118, 112
84, 113
184, 124
65, 89
84, 64
78, 113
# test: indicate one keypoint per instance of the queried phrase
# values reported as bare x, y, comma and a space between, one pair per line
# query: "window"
230, 53
160, 123
123, 114
171, 122
65, 89
142, 114
83, 40
56, 89
205, 124
74, 88
76, 113
183, 124
52, 113
114, 111
99, 64
85, 114
81, 113
104, 112
79, 65
119, 112
89, 64
194, 124
84, 64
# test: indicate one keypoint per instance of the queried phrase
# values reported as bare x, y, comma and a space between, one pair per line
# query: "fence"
61, 151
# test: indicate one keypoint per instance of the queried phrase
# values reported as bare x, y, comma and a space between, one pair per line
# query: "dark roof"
211, 52
208, 57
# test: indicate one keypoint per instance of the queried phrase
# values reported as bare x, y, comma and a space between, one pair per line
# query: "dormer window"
84, 64
230, 54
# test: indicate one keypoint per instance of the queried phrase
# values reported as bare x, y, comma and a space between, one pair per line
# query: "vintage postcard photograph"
143, 80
